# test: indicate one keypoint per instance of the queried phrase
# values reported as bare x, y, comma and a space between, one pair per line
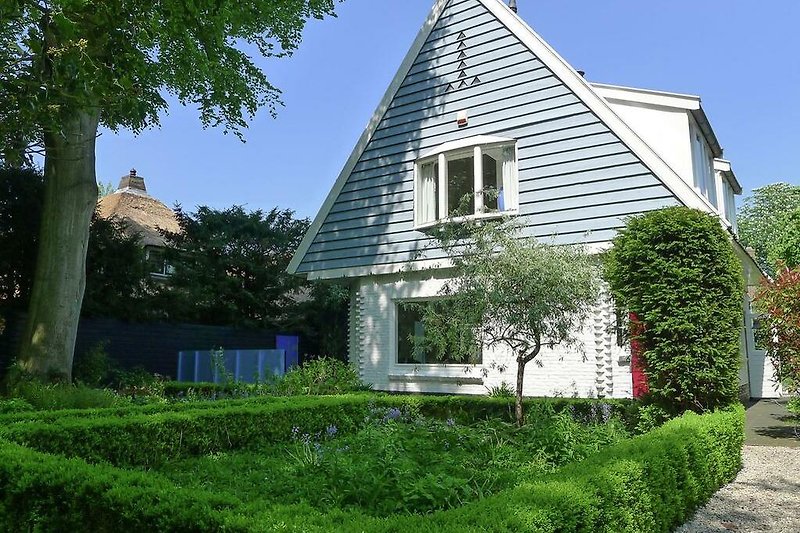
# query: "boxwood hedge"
649, 483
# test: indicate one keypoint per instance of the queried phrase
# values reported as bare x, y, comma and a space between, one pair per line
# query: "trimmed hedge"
676, 269
649, 483
140, 439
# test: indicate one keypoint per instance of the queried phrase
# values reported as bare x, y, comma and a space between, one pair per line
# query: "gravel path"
765, 496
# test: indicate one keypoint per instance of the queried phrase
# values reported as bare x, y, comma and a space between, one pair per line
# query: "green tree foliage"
229, 266
230, 269
785, 249
118, 282
21, 198
762, 219
67, 67
676, 269
117, 277
779, 301
509, 291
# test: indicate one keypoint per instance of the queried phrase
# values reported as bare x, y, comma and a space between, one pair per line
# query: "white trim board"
560, 68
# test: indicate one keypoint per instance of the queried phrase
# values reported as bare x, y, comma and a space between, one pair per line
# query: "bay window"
475, 177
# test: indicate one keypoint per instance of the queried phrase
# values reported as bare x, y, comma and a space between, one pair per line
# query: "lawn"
399, 461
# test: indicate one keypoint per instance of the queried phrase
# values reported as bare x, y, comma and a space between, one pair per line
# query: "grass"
398, 462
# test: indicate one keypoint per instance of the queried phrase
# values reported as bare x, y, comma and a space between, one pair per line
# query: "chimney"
513, 5
132, 181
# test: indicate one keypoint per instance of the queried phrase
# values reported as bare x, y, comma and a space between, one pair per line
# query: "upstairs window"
475, 177
703, 164
729, 203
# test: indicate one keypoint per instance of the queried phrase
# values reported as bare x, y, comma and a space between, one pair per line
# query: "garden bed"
367, 463
398, 462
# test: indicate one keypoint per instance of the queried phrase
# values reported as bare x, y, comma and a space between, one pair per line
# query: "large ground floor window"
411, 331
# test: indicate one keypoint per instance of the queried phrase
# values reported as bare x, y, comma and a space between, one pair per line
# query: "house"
144, 216
482, 101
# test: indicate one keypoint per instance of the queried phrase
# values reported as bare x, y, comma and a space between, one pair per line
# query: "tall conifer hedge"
676, 270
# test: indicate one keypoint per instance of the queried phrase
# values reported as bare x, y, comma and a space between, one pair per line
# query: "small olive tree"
507, 290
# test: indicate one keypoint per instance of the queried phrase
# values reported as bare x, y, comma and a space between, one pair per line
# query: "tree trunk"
60, 278
520, 378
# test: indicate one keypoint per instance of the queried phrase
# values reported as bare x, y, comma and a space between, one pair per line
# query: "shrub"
319, 377
93, 367
56, 397
794, 406
650, 483
779, 301
503, 390
150, 437
676, 270
15, 405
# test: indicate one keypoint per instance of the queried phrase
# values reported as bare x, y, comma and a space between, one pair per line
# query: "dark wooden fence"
153, 346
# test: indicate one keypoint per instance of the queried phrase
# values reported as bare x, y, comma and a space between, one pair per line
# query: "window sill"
420, 378
495, 215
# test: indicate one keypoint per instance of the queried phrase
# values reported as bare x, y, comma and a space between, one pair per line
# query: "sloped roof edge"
560, 68
362, 143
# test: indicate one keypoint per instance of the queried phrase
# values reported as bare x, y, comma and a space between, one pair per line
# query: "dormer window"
475, 177
703, 166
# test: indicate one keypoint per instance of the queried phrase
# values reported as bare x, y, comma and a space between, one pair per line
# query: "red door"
640, 387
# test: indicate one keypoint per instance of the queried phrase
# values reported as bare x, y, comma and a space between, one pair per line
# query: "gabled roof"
559, 67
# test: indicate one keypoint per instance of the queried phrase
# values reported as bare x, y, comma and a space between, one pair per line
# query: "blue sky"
741, 56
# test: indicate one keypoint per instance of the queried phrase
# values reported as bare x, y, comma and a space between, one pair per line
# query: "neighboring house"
482, 101
144, 216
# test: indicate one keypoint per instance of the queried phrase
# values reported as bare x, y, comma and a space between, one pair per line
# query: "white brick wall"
596, 367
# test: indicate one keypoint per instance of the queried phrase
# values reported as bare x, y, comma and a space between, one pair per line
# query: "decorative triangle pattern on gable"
578, 181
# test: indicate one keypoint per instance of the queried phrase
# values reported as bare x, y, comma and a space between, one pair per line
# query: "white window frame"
469, 147
703, 173
395, 337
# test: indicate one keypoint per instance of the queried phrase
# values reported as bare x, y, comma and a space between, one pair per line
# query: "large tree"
229, 269
508, 291
69, 66
762, 219
784, 251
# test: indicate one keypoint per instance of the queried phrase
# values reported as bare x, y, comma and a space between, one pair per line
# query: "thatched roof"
140, 212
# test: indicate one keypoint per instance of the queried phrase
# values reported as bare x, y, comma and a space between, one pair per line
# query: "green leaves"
779, 302
230, 267
676, 269
122, 57
509, 290
650, 483
784, 250
763, 221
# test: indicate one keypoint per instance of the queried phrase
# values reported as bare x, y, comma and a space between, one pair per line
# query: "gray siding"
578, 182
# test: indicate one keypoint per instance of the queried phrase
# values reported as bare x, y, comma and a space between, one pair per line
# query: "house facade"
483, 108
